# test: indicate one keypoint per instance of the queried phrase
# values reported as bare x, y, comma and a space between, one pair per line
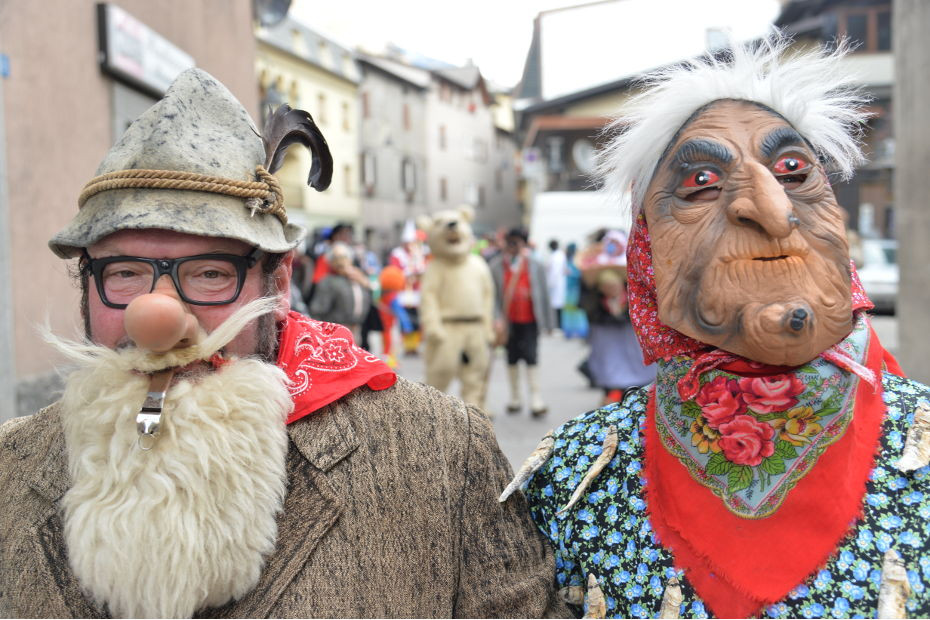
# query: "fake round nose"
159, 323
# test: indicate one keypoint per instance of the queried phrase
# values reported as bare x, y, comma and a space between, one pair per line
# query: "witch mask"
748, 241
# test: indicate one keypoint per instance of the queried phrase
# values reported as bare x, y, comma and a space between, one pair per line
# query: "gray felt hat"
197, 127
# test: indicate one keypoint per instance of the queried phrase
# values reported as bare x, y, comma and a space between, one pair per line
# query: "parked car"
878, 271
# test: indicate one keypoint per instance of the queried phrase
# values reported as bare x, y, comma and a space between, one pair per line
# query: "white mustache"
146, 361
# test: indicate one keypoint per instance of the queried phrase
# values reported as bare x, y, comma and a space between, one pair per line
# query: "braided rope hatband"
263, 195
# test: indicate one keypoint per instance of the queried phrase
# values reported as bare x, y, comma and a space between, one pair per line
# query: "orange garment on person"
387, 321
520, 309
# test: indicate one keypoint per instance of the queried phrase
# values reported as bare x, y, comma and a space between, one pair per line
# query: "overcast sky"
496, 34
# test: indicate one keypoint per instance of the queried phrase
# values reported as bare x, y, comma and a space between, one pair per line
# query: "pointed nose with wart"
763, 204
159, 321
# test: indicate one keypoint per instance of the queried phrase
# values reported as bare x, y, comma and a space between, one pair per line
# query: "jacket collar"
312, 506
325, 437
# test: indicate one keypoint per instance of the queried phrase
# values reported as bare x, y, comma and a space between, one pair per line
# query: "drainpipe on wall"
7, 358
912, 184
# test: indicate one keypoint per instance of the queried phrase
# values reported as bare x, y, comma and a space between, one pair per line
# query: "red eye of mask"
790, 164
701, 178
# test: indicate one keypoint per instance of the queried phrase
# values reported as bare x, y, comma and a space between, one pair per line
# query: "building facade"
392, 105
464, 149
298, 66
433, 138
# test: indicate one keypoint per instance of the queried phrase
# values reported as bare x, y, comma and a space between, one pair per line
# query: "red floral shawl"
324, 364
737, 565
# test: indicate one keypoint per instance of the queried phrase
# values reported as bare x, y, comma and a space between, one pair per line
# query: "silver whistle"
148, 420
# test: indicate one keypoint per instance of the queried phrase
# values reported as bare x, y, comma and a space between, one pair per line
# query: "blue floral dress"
608, 533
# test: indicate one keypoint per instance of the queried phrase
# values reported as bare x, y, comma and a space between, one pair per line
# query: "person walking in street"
574, 323
410, 257
343, 295
615, 359
523, 310
556, 279
390, 311
216, 455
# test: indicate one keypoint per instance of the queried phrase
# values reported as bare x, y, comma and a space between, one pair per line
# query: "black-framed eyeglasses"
202, 280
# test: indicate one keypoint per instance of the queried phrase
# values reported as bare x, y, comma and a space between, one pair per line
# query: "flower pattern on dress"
748, 439
633, 568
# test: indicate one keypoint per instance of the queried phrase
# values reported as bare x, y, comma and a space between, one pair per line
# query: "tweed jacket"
539, 290
391, 511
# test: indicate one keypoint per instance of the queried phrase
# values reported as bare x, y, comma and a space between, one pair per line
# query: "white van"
570, 217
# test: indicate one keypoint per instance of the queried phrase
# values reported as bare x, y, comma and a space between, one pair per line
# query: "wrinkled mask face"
748, 242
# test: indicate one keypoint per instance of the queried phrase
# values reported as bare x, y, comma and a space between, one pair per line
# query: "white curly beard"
188, 524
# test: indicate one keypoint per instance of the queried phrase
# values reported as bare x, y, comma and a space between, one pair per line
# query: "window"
443, 190
442, 137
346, 123
857, 27
408, 178
321, 108
325, 55
298, 43
481, 202
498, 180
884, 31
471, 194
366, 113
406, 113
555, 153
347, 175
867, 27
368, 173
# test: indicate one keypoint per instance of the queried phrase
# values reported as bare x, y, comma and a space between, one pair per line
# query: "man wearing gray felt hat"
214, 453
199, 132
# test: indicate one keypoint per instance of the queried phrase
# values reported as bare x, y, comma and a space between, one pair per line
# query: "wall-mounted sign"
134, 53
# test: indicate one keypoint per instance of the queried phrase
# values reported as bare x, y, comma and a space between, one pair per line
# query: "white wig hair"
808, 89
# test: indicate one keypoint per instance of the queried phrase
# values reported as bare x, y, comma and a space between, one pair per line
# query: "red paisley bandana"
324, 364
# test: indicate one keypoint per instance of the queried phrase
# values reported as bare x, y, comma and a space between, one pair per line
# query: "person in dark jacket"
523, 311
